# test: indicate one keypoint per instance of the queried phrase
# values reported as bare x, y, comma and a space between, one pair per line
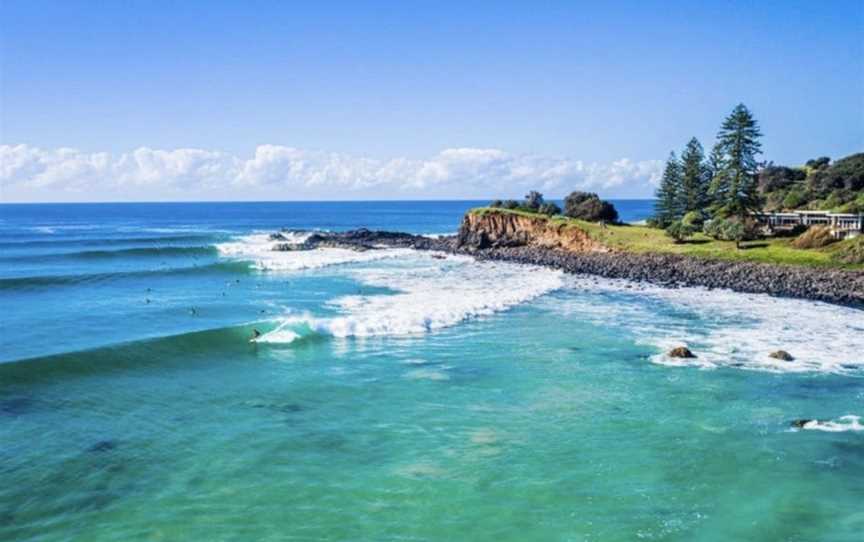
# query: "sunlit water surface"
397, 396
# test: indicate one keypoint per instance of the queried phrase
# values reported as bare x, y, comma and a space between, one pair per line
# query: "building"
843, 225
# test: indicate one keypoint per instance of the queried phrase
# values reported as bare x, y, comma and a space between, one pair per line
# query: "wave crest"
430, 296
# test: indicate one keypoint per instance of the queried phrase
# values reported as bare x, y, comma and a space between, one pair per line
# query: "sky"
183, 100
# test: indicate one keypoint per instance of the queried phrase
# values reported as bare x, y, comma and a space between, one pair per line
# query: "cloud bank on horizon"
29, 173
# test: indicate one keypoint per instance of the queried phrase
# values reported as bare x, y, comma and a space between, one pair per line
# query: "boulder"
800, 423
681, 352
782, 355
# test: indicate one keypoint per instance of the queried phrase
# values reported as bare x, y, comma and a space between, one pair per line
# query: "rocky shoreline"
670, 270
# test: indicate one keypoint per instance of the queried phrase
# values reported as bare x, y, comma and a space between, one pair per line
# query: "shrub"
732, 229
694, 219
846, 173
814, 237
496, 204
509, 204
818, 163
679, 231
794, 198
855, 206
588, 206
773, 178
851, 251
533, 201
549, 208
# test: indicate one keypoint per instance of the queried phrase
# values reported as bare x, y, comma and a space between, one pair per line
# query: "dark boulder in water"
782, 355
681, 352
801, 423
103, 446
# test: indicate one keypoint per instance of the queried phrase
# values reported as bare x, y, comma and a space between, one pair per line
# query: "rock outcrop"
681, 352
782, 355
539, 241
501, 230
362, 240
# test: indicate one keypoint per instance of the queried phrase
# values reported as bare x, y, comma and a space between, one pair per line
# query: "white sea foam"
725, 328
431, 294
258, 248
844, 423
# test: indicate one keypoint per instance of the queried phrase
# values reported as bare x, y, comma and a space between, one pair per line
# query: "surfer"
255, 335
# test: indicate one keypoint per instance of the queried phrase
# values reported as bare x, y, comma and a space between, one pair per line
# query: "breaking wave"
430, 294
843, 423
258, 248
725, 328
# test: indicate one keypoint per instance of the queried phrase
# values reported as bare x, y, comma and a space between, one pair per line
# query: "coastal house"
843, 225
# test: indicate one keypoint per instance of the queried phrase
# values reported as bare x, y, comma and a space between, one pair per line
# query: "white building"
843, 225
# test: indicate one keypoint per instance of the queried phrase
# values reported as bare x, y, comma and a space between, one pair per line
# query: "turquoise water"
397, 396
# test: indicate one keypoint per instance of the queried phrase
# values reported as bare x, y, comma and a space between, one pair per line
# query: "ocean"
393, 395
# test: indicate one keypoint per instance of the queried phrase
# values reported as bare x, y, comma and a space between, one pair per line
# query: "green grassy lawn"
646, 239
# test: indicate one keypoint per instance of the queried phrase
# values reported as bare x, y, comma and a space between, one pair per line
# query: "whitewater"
164, 373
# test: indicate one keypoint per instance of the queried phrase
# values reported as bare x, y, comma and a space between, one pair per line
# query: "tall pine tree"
667, 208
738, 144
694, 178
718, 187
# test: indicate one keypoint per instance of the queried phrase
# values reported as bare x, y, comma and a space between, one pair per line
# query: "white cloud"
28, 172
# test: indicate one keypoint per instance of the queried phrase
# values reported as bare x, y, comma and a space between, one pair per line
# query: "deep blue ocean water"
393, 395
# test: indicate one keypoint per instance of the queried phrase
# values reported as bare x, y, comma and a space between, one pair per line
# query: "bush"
533, 201
818, 163
509, 204
774, 178
855, 206
679, 231
694, 219
794, 199
846, 173
496, 204
814, 237
549, 208
732, 229
588, 206
851, 251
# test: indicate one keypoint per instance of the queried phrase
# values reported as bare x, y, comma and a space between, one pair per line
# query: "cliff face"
488, 230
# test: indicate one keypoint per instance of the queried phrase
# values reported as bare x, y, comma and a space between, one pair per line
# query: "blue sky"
153, 100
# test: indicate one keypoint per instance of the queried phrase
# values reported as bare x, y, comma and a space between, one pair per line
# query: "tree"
693, 195
533, 201
818, 163
732, 229
667, 207
549, 208
679, 231
718, 188
738, 143
588, 206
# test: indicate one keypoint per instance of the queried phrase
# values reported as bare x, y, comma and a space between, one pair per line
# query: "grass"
646, 239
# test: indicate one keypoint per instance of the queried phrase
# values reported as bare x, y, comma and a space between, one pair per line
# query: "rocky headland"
540, 241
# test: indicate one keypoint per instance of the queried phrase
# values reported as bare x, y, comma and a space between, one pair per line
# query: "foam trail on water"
844, 423
258, 248
724, 328
431, 294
